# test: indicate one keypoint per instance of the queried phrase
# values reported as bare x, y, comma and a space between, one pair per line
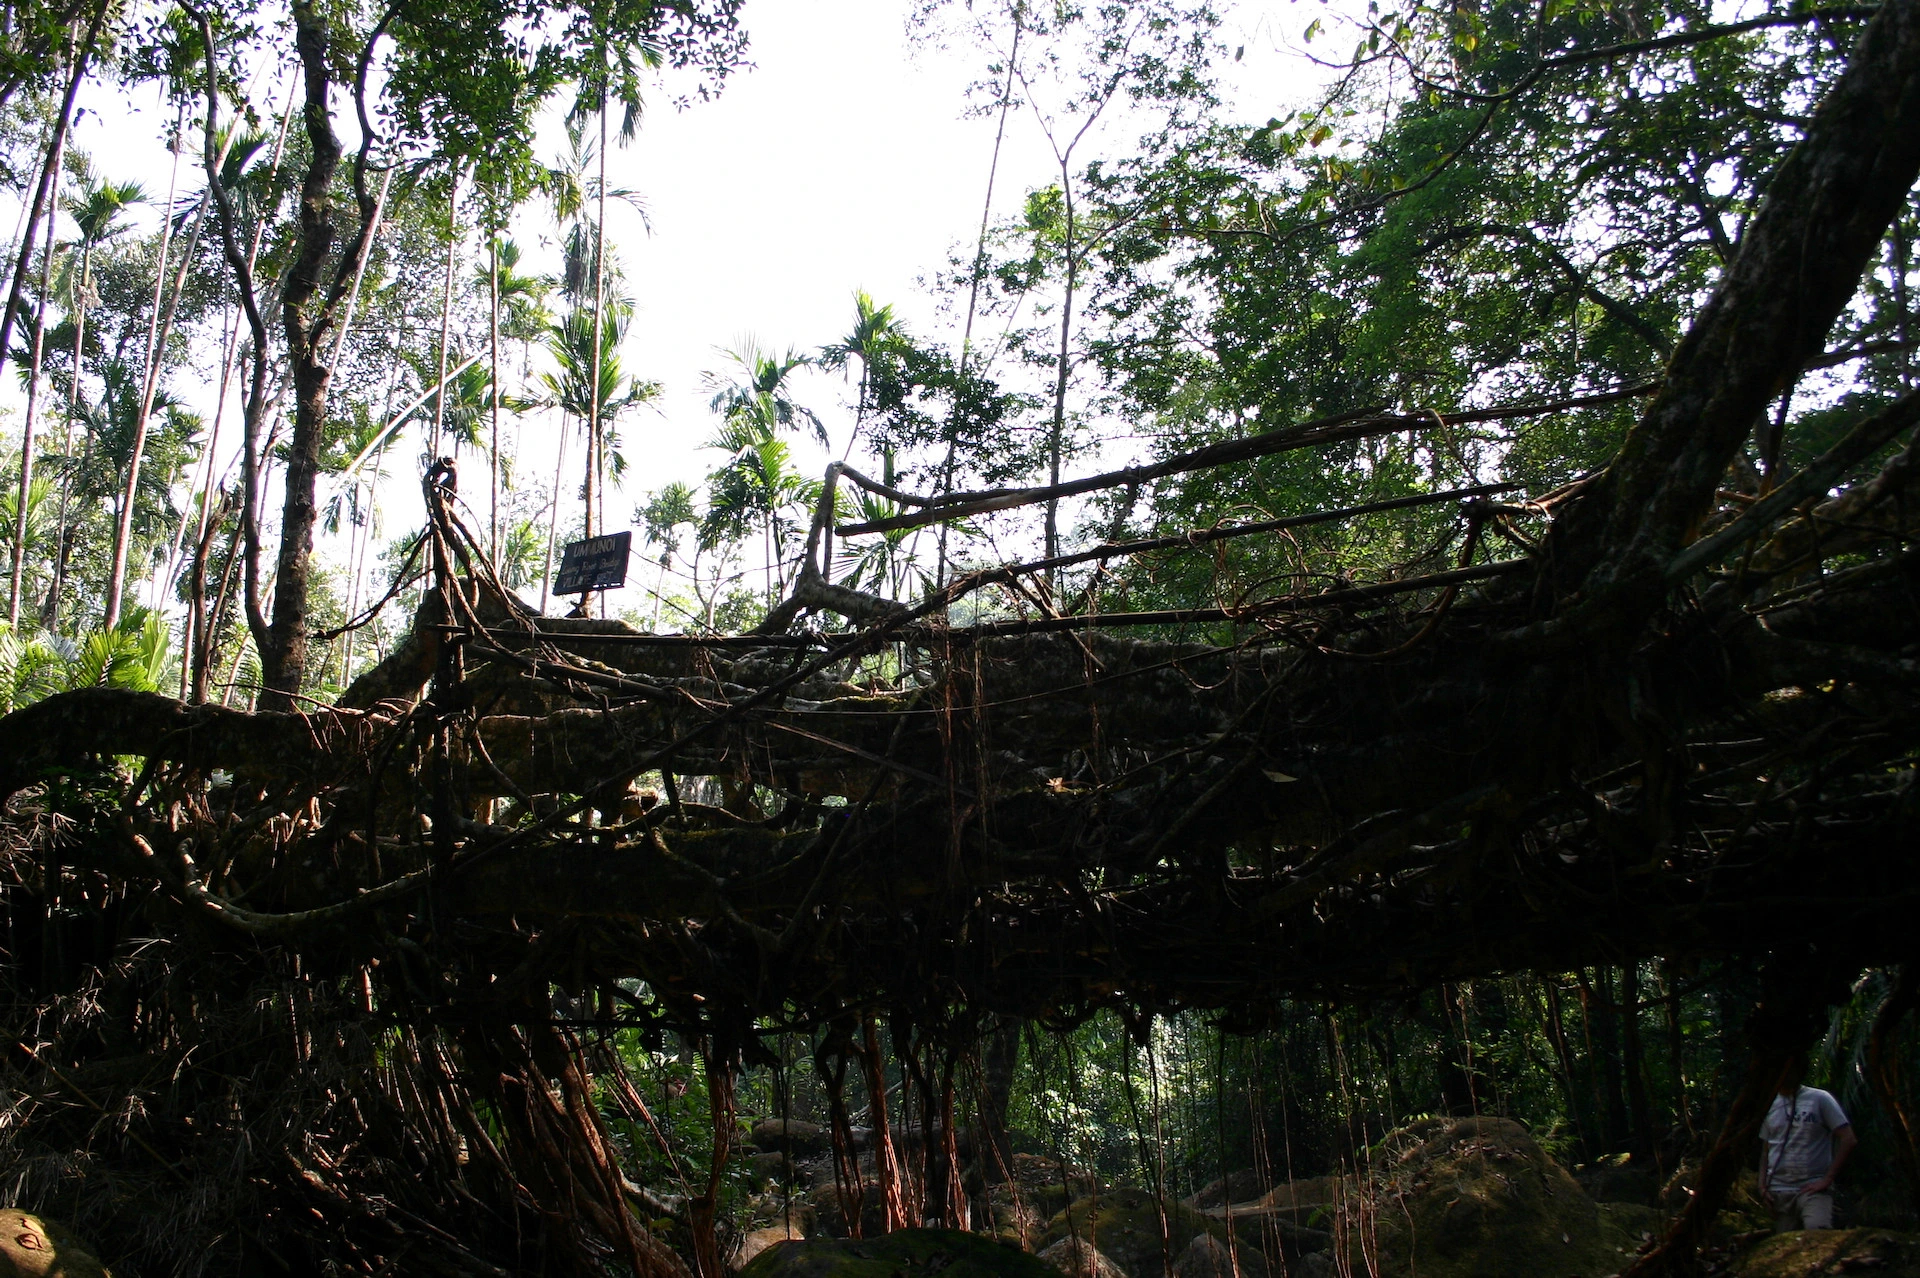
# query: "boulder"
755, 1241
1294, 1213
1317, 1191
1318, 1265
1627, 1227
1124, 1224
1208, 1257
776, 1168
1476, 1198
1619, 1181
776, 1208
1036, 1171
1242, 1186
1819, 1252
798, 1137
950, 1253
1016, 1221
32, 1247
1077, 1258
824, 1200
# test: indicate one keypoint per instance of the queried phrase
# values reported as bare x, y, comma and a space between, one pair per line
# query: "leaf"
1279, 778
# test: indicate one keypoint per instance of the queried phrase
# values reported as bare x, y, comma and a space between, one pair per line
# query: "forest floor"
1439, 1198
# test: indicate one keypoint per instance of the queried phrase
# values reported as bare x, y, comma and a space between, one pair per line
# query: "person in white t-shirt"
1806, 1137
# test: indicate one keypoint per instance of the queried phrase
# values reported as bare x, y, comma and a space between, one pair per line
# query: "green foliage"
133, 655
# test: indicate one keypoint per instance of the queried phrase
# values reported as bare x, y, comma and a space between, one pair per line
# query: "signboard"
598, 563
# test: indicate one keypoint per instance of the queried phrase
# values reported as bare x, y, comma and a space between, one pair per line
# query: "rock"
755, 1241
1208, 1257
31, 1247
775, 1209
1044, 1186
1242, 1186
1318, 1265
1316, 1191
1293, 1211
1477, 1198
772, 1135
1018, 1223
1035, 1171
824, 1200
1619, 1182
1628, 1226
1077, 1258
949, 1252
1814, 1253
1125, 1224
776, 1167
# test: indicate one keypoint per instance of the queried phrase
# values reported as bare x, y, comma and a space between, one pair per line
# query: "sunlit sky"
844, 158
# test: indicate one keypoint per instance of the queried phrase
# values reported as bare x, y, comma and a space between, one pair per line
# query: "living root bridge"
1599, 746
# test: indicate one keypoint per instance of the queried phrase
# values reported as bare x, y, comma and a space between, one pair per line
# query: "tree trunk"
1002, 1054
1884, 1073
1563, 1056
43, 190
306, 316
1634, 1063
21, 512
886, 1164
1616, 1127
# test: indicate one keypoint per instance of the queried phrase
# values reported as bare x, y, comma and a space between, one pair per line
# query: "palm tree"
874, 333
757, 485
98, 478
524, 316
615, 77
98, 208
132, 655
580, 179
30, 534
885, 564
758, 390
518, 562
516, 311
589, 390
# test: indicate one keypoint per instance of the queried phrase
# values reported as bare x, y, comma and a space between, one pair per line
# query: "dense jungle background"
1347, 708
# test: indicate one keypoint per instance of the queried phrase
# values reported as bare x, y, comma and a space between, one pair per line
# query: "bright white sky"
843, 159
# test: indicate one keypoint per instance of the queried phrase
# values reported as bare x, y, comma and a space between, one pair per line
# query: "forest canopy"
1346, 599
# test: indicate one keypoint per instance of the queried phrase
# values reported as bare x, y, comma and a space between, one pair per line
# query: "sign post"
598, 563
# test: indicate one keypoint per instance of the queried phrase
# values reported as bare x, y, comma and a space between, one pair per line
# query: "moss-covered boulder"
1814, 1253
1125, 1225
1478, 1198
1047, 1185
31, 1247
1016, 1220
948, 1252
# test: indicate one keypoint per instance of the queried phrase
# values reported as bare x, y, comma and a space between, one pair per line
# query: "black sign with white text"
598, 563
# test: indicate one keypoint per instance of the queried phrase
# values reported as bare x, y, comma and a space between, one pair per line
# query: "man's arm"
1843, 1144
